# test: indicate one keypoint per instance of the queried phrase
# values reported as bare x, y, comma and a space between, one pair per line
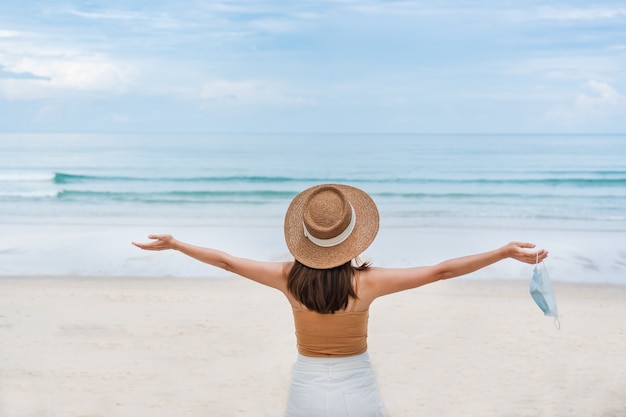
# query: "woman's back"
338, 334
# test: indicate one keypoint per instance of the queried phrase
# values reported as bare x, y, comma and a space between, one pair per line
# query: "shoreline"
590, 256
209, 279
72, 346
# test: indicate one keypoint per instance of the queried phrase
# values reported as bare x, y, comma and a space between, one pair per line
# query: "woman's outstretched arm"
382, 281
273, 274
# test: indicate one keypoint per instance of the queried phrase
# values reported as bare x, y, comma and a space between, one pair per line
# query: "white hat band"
333, 241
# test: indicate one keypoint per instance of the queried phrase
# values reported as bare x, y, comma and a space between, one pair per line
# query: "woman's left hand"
159, 242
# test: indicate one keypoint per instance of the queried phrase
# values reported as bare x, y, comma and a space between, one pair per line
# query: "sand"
76, 346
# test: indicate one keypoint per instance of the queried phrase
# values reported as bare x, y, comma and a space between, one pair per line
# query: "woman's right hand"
521, 252
159, 242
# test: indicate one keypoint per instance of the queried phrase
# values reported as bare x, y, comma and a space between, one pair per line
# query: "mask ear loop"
536, 260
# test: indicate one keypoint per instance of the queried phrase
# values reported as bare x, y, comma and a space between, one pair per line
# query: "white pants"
334, 387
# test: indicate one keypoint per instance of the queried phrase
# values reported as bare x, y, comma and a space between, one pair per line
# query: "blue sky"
313, 66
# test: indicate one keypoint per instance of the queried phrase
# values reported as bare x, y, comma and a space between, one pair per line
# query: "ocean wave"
258, 196
555, 179
618, 178
265, 195
62, 178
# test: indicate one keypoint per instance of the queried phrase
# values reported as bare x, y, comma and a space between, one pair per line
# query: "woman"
326, 228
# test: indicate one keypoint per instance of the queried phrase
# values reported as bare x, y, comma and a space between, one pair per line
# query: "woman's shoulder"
368, 280
374, 272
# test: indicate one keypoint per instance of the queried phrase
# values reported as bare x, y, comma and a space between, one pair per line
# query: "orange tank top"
324, 335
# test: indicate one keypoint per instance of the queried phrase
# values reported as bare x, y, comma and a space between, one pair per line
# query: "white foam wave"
29, 194
26, 177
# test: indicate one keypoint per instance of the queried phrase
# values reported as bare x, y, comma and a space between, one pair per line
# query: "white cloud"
222, 7
598, 103
43, 69
58, 76
108, 15
246, 93
8, 34
391, 7
500, 12
120, 118
274, 25
572, 13
157, 20
603, 98
495, 10
395, 101
568, 67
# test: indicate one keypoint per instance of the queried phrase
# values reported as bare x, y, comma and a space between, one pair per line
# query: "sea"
65, 199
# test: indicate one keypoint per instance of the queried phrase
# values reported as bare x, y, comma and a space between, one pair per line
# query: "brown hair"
323, 290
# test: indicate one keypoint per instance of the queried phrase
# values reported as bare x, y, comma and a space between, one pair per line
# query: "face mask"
543, 294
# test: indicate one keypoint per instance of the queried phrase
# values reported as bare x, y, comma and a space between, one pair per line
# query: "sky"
432, 66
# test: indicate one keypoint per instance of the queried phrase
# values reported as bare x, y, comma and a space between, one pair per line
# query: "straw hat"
330, 224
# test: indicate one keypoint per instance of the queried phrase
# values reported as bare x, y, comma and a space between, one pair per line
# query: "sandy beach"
75, 346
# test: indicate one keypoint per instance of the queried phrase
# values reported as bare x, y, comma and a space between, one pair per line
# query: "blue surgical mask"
543, 294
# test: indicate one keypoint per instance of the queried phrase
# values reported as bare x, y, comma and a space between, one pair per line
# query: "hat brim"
313, 256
